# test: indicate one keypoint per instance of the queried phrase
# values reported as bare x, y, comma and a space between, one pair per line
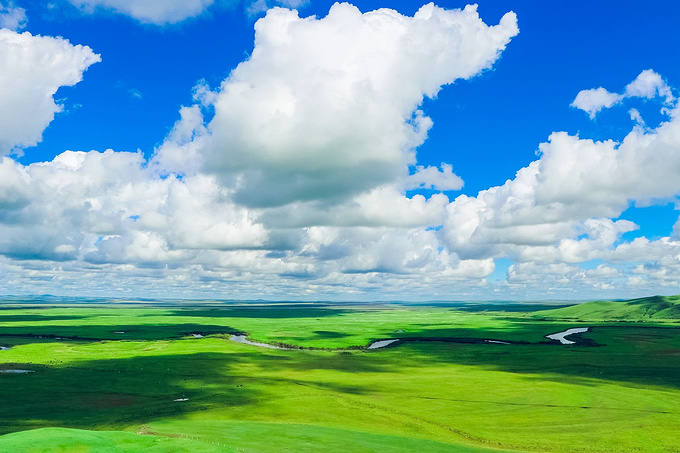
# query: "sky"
306, 150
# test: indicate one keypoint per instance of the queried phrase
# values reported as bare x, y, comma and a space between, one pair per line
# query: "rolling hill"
644, 309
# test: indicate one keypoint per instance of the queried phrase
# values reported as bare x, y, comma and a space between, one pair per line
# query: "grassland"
93, 388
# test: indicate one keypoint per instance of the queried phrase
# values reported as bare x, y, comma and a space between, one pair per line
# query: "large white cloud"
33, 69
328, 108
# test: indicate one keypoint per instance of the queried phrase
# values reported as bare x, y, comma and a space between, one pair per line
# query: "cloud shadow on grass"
113, 393
145, 332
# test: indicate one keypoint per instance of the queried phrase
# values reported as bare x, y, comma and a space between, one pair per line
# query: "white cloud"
603, 271
593, 100
362, 251
433, 178
676, 230
325, 109
33, 69
260, 6
563, 280
648, 84
256, 7
383, 206
202, 218
292, 4
14, 186
12, 17
158, 12
179, 152
87, 206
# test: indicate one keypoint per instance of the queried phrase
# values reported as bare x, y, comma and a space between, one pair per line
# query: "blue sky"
314, 173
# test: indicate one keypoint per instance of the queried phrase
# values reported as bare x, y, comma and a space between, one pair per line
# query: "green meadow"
465, 378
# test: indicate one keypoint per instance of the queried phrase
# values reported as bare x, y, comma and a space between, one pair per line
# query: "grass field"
92, 388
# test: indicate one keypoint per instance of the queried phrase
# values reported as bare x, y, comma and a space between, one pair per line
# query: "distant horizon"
51, 298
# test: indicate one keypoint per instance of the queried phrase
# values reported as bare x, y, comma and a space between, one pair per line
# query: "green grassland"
92, 388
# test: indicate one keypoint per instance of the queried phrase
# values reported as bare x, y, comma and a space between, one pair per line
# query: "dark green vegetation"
444, 388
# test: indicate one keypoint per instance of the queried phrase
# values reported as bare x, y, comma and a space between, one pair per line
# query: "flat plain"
461, 378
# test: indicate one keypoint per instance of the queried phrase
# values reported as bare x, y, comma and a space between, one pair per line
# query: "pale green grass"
60, 440
291, 437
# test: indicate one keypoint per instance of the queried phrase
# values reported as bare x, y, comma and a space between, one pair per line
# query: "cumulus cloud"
86, 206
648, 85
12, 17
325, 109
560, 207
158, 12
593, 100
33, 69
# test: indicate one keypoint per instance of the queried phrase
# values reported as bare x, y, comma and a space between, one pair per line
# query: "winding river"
377, 344
242, 339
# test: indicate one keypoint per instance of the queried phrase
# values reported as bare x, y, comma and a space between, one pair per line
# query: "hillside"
646, 308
